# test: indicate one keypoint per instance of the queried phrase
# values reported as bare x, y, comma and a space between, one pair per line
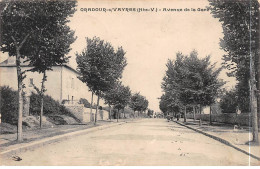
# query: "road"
144, 142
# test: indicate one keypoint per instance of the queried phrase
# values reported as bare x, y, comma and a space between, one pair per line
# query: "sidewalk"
8, 141
227, 134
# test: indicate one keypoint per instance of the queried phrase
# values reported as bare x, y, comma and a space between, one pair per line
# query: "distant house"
215, 108
62, 83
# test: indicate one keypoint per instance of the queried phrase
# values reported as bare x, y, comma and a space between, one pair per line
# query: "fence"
243, 119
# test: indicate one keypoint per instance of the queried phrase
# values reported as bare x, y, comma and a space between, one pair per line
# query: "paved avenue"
144, 142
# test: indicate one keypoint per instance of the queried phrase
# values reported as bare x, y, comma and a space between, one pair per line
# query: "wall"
83, 114
229, 118
72, 86
77, 111
62, 83
8, 77
102, 114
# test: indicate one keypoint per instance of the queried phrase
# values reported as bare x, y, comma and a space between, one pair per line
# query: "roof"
11, 62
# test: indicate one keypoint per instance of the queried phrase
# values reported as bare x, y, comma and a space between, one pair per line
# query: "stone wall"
77, 111
243, 119
84, 115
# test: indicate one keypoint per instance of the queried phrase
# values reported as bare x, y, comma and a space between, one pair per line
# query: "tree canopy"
240, 23
100, 65
36, 24
189, 80
118, 96
138, 102
169, 103
36, 30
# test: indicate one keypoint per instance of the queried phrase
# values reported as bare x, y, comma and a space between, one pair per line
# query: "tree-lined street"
175, 84
141, 142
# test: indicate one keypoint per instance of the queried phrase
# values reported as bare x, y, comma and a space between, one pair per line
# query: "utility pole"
258, 66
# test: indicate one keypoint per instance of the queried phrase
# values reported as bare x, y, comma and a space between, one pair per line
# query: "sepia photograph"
129, 83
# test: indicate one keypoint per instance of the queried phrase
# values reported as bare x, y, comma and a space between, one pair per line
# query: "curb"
18, 148
220, 140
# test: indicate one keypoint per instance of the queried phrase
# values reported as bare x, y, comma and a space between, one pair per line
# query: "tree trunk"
20, 97
210, 115
20, 113
184, 113
258, 63
117, 115
20, 86
41, 113
194, 113
110, 112
91, 105
97, 109
124, 112
253, 97
253, 104
41, 94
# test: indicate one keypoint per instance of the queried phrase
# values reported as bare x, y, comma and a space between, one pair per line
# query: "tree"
100, 66
228, 102
121, 97
163, 105
144, 104
169, 103
138, 103
118, 96
190, 81
53, 43
22, 25
134, 102
240, 23
109, 97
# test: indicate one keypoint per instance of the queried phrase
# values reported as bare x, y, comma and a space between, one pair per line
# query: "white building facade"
62, 82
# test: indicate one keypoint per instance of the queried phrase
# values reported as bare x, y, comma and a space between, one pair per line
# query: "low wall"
76, 110
84, 115
102, 114
243, 119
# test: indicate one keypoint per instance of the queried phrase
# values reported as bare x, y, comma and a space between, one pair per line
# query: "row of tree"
240, 22
37, 32
101, 68
189, 82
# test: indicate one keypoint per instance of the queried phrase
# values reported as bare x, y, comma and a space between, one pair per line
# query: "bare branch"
15, 42
24, 40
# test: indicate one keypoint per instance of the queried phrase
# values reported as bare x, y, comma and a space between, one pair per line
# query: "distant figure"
178, 116
168, 118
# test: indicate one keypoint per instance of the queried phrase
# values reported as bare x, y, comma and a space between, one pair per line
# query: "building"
62, 82
62, 85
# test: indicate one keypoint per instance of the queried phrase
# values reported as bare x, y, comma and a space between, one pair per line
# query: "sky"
150, 38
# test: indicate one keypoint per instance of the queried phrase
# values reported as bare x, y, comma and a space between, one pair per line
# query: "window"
72, 83
31, 82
